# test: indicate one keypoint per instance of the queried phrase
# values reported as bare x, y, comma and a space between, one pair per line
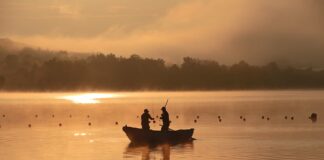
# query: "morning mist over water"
180, 79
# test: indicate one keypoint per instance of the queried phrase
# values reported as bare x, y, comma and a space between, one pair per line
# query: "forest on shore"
31, 69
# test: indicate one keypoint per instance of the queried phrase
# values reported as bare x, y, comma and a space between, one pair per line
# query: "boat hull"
137, 135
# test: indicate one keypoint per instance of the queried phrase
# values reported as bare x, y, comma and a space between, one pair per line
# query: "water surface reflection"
161, 151
61, 128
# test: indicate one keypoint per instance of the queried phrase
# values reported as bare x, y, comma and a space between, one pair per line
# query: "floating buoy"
60, 124
220, 120
262, 117
89, 124
195, 121
286, 117
29, 125
241, 117
313, 117
292, 118
36, 115
116, 123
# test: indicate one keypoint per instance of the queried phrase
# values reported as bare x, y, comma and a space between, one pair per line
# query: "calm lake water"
82, 126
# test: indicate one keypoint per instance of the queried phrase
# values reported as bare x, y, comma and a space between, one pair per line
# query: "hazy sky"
258, 31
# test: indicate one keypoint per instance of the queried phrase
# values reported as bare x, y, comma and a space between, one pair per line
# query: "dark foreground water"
82, 126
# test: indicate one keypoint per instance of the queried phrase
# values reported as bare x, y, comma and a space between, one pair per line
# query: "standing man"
165, 119
146, 117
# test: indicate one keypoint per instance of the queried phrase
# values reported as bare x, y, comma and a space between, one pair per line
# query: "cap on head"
146, 111
163, 109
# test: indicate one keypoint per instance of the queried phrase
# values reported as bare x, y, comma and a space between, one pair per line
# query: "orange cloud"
228, 30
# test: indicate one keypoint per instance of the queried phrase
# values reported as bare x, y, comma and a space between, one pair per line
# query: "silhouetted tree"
2, 81
35, 69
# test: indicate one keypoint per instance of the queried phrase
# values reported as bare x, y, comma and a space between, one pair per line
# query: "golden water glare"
87, 98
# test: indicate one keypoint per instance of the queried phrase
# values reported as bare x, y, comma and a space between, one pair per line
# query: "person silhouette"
165, 119
146, 117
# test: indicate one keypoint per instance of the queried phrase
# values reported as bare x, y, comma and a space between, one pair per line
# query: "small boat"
137, 135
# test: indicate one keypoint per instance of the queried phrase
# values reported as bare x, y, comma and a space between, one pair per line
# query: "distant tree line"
39, 70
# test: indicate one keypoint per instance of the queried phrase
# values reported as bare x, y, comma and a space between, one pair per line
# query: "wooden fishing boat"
137, 135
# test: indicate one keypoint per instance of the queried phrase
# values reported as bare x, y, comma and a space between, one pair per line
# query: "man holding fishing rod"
165, 118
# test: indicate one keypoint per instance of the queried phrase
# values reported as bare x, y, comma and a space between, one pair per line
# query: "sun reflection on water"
79, 134
87, 98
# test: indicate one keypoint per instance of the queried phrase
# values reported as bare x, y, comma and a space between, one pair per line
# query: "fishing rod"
166, 103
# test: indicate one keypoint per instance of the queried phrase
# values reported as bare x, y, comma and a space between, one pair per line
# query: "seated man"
146, 120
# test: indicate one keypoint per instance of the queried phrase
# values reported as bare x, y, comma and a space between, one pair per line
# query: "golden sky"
225, 30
